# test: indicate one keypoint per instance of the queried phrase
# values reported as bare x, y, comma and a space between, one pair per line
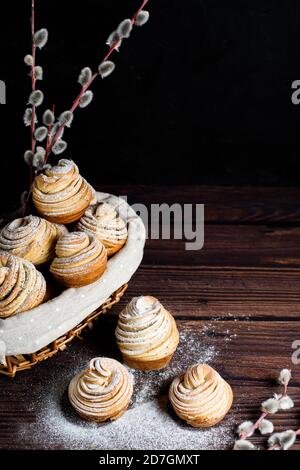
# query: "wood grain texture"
248, 355
225, 245
203, 292
239, 295
250, 205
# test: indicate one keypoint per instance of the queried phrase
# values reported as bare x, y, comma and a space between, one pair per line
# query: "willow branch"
76, 102
33, 77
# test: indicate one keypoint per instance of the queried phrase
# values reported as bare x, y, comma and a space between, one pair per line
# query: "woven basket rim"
15, 364
18, 337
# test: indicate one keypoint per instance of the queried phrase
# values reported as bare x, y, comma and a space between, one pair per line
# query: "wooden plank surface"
231, 245
248, 354
250, 205
236, 301
203, 292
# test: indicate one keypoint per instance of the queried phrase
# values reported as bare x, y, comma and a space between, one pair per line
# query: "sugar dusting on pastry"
146, 333
102, 220
22, 287
80, 259
31, 238
61, 194
102, 391
201, 396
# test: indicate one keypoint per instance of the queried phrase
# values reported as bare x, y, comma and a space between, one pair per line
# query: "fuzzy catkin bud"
56, 128
125, 28
106, 68
36, 98
40, 38
284, 376
28, 157
85, 76
28, 59
28, 117
287, 439
283, 440
41, 150
245, 428
48, 118
286, 403
37, 159
113, 39
41, 133
86, 99
243, 445
141, 18
46, 167
274, 440
59, 147
66, 118
270, 406
38, 71
266, 427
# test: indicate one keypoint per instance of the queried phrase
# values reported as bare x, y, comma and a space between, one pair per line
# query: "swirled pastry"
200, 396
60, 194
31, 238
80, 259
146, 334
22, 287
101, 392
103, 221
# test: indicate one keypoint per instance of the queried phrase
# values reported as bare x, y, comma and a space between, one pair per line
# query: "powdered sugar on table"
149, 423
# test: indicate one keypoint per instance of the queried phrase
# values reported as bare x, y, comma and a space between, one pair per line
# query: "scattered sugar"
150, 384
212, 329
149, 423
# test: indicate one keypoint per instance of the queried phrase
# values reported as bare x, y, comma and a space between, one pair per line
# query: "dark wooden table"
241, 293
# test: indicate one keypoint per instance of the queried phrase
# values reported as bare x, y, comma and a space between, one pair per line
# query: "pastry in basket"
60, 194
200, 396
22, 287
31, 238
146, 334
80, 259
103, 221
102, 392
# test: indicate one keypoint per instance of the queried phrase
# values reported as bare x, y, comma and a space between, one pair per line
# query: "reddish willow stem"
33, 77
274, 447
33, 114
75, 105
285, 388
254, 426
277, 447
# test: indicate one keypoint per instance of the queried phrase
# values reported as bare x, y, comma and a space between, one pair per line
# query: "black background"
201, 94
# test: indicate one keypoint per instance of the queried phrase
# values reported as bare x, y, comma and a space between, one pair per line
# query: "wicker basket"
19, 363
19, 342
